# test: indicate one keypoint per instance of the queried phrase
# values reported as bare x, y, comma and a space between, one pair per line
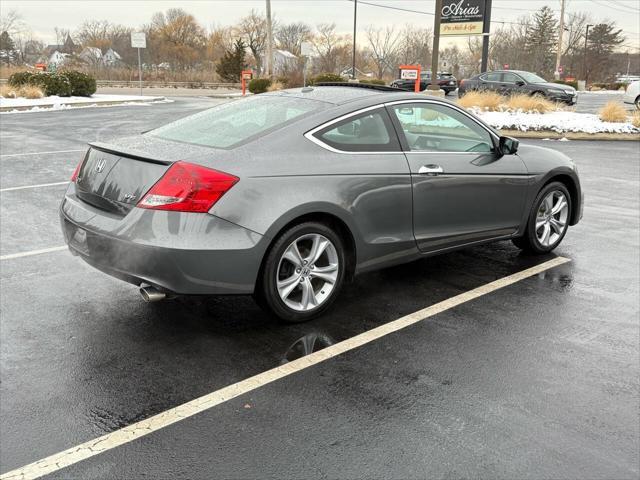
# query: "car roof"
340, 95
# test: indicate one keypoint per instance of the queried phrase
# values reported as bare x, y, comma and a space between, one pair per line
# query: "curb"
571, 135
67, 106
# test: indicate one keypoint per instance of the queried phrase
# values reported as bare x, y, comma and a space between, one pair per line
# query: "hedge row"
573, 84
261, 85
64, 83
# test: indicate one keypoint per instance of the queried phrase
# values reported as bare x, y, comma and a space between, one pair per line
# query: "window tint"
438, 128
491, 77
510, 78
231, 123
368, 132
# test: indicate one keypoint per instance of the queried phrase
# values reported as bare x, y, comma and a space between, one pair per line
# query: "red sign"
411, 72
560, 69
570, 79
245, 75
505, 66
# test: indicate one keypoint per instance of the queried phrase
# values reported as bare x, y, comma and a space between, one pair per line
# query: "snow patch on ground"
56, 100
603, 92
55, 103
559, 122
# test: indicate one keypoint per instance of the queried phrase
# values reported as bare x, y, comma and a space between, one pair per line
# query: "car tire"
295, 285
546, 229
637, 102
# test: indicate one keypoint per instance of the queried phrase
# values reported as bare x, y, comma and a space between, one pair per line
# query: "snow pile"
559, 122
54, 101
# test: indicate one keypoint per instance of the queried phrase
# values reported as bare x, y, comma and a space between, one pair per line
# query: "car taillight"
186, 187
460, 83
74, 176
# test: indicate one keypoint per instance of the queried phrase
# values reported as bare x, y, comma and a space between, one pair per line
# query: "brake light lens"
186, 187
74, 176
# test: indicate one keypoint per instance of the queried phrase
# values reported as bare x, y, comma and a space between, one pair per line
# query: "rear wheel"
637, 102
302, 273
548, 220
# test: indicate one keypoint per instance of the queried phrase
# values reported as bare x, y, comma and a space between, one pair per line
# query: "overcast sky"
44, 15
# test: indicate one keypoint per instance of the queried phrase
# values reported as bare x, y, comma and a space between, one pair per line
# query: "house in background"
111, 58
283, 62
57, 58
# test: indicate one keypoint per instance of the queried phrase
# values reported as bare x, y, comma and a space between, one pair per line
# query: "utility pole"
353, 57
559, 53
436, 47
269, 59
584, 59
486, 28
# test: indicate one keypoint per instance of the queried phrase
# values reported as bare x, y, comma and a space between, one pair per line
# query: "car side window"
439, 128
510, 78
367, 132
491, 77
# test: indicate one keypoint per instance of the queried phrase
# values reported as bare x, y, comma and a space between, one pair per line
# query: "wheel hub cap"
551, 218
307, 272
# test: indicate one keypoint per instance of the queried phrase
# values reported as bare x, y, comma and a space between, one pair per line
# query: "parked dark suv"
507, 82
447, 82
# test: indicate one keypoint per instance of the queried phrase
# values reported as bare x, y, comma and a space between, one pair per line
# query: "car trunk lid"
115, 182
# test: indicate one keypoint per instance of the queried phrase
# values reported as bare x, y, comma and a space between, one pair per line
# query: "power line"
633, 9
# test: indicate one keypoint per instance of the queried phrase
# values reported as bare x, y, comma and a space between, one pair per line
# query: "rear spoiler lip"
136, 155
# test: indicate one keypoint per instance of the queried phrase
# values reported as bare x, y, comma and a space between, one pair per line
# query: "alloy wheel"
551, 218
307, 272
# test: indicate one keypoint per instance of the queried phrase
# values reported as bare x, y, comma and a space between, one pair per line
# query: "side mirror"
508, 146
520, 83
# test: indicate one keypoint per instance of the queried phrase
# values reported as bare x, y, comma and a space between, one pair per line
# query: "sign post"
306, 50
139, 40
244, 76
411, 72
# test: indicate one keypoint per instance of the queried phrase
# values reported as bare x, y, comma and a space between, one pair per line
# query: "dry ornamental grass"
489, 101
635, 119
275, 86
494, 102
26, 91
613, 112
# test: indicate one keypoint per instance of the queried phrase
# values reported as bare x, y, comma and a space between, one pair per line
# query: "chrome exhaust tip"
152, 294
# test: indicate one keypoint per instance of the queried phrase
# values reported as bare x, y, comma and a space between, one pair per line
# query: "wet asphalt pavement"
536, 380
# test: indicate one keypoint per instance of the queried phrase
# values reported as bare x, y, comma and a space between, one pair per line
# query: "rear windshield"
227, 125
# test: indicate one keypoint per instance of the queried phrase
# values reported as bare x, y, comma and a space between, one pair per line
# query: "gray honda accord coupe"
288, 195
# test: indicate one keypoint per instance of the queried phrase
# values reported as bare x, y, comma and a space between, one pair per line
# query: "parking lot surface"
535, 380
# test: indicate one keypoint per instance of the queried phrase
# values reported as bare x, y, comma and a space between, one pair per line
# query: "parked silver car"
288, 195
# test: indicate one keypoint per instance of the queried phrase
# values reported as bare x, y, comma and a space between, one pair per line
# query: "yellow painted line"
139, 429
32, 252
39, 185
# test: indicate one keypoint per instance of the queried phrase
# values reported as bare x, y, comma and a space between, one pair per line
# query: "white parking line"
32, 252
137, 430
6, 155
11, 189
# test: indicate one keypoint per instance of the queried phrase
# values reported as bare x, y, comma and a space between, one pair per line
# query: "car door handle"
430, 170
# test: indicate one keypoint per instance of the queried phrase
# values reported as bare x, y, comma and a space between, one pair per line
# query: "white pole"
560, 34
269, 61
139, 72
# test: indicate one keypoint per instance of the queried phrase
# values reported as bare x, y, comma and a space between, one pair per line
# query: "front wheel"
303, 272
548, 220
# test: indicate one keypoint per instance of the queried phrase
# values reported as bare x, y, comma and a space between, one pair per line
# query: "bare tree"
415, 46
383, 44
95, 33
253, 30
328, 45
291, 35
176, 37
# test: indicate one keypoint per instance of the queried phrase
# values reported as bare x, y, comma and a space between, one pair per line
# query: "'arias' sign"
462, 17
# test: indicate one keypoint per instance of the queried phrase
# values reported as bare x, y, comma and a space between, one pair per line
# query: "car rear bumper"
182, 253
